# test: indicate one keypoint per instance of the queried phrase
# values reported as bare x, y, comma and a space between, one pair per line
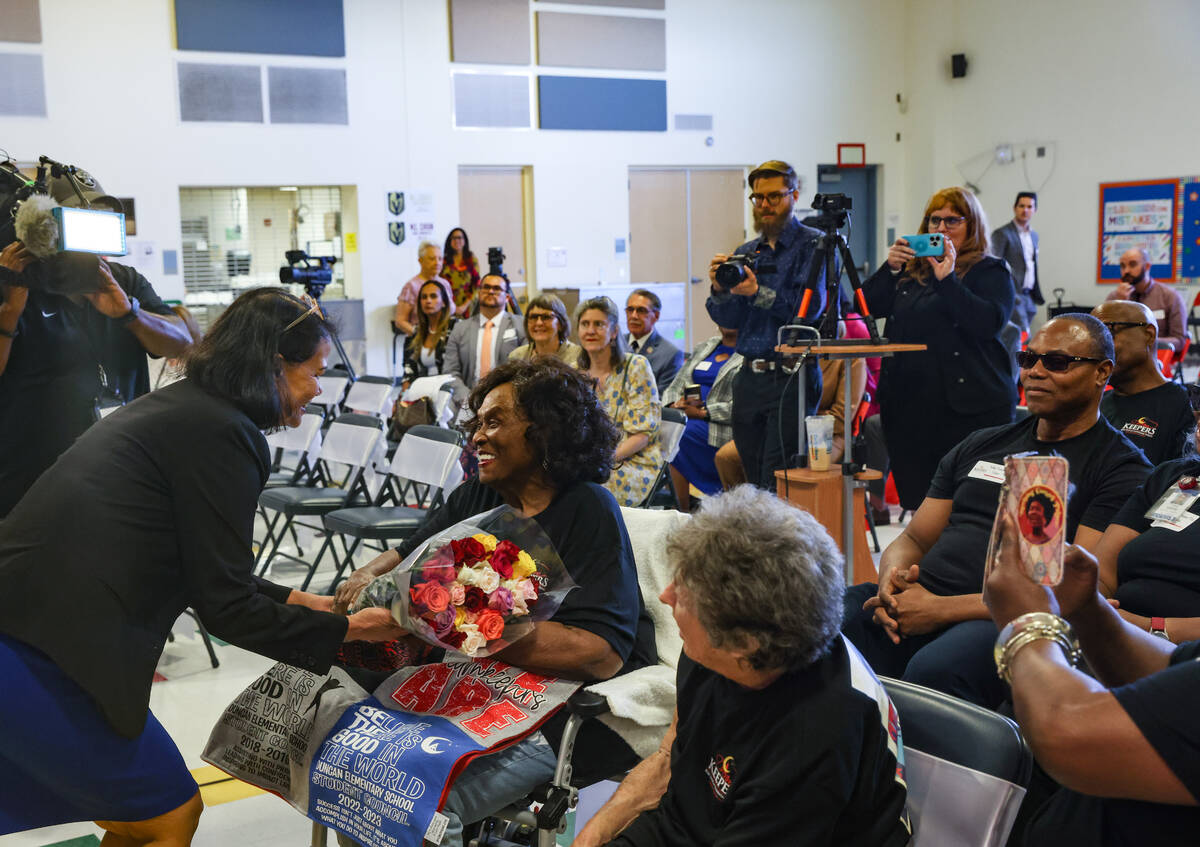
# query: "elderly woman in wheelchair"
545, 447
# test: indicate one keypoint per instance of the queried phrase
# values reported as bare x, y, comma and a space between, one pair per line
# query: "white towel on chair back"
643, 702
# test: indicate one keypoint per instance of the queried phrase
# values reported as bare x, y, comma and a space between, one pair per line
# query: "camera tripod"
830, 246
315, 290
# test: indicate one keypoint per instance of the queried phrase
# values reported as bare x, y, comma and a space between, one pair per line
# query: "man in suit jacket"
1017, 244
641, 314
482, 341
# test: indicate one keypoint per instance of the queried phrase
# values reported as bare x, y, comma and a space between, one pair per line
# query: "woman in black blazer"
957, 304
425, 354
151, 512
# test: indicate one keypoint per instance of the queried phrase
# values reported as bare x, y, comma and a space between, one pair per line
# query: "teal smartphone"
929, 244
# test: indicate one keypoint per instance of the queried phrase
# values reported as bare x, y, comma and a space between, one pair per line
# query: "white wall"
1110, 84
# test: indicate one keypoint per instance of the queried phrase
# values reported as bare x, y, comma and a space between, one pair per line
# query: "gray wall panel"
602, 41
307, 95
492, 32
628, 4
209, 92
20, 20
491, 100
22, 85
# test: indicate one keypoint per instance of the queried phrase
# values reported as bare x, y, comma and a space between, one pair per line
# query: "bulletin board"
1145, 214
1189, 230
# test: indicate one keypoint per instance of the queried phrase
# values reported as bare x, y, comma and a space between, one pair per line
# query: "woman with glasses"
425, 354
461, 268
956, 304
626, 388
149, 513
547, 327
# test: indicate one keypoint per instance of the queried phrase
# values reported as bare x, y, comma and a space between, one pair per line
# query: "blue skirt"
696, 458
60, 760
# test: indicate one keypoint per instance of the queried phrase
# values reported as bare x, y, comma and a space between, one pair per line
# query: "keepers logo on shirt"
720, 772
1142, 427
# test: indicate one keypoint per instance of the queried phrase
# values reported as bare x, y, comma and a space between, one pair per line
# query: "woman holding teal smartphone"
956, 303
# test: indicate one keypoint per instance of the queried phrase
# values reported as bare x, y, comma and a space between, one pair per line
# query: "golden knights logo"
396, 232
396, 202
720, 772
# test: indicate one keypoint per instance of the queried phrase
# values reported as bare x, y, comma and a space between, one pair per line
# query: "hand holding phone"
928, 244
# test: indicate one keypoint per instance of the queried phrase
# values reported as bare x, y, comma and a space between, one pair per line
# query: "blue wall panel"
572, 102
287, 27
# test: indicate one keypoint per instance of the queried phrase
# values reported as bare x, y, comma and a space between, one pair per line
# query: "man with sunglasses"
1152, 412
1163, 301
925, 621
765, 416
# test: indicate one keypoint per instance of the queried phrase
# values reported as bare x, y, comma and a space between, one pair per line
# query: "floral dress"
464, 280
630, 396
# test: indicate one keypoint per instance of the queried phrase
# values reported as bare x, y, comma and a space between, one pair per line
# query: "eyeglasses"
950, 221
534, 317
493, 289
314, 308
772, 198
637, 310
1116, 326
1054, 362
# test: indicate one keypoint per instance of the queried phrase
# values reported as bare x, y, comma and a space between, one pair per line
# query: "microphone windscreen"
36, 226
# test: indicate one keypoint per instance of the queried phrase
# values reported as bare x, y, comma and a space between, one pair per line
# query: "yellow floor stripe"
218, 787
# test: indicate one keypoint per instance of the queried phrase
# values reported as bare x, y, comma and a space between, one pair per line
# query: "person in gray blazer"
642, 310
1017, 244
468, 357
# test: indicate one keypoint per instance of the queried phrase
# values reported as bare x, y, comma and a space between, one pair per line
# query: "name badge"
703, 366
509, 334
1185, 520
1159, 314
988, 472
1174, 505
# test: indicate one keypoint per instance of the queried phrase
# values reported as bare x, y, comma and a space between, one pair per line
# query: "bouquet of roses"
475, 587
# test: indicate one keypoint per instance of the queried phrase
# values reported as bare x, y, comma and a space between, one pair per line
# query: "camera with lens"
496, 259
733, 270
313, 272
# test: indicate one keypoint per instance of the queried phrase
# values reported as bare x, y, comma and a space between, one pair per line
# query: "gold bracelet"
1030, 627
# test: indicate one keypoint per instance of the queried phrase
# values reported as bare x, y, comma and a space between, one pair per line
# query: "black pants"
766, 421
957, 660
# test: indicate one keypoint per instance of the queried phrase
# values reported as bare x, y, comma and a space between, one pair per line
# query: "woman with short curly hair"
545, 445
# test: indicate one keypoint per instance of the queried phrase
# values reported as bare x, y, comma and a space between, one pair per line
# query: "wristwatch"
1158, 626
131, 315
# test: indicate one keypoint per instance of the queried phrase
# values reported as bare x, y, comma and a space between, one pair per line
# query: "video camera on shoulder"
313, 272
732, 271
65, 220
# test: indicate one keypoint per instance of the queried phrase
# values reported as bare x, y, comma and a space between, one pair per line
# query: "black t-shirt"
811, 759
1104, 469
1158, 573
1158, 421
1162, 706
585, 525
49, 389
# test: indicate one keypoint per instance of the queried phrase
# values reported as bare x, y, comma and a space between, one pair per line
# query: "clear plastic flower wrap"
475, 587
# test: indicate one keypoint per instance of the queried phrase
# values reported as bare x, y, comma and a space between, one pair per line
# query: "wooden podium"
834, 498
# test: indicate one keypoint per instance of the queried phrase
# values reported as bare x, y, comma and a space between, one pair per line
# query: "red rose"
443, 573
475, 600
467, 550
431, 595
491, 624
455, 639
503, 558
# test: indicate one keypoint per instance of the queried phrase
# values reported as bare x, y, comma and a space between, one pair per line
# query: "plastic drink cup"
820, 441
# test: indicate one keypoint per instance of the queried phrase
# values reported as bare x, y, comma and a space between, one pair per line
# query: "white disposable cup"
820, 441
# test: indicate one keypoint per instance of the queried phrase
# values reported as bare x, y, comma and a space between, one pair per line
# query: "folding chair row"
423, 470
352, 440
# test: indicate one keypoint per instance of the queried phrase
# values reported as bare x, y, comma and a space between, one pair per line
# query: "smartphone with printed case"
1034, 494
929, 244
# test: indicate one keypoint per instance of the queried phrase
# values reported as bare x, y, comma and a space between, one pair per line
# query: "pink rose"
458, 593
501, 601
443, 623
529, 589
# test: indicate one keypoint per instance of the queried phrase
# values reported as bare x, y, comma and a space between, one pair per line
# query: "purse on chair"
407, 415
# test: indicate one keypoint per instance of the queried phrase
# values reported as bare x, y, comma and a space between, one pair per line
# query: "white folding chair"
333, 390
352, 441
670, 433
371, 395
424, 468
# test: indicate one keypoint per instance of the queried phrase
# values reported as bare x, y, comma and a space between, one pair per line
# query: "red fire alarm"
852, 155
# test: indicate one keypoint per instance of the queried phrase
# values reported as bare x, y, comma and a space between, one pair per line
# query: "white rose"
474, 641
487, 579
519, 607
468, 576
